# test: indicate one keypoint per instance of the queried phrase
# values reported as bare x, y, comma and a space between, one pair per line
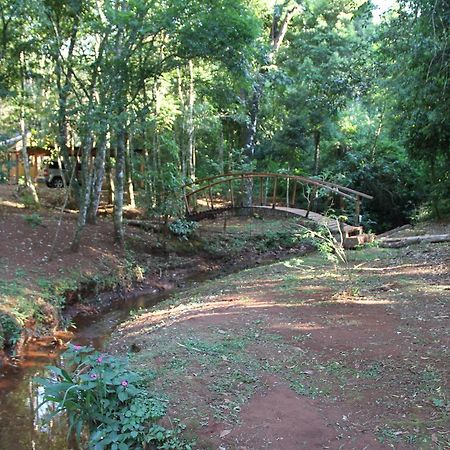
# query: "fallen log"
393, 231
146, 225
411, 240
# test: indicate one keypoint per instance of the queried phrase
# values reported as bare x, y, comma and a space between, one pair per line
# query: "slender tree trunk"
250, 146
181, 135
377, 135
23, 129
278, 32
129, 173
63, 84
97, 181
156, 153
108, 174
316, 136
221, 152
434, 199
26, 164
119, 188
86, 185
190, 124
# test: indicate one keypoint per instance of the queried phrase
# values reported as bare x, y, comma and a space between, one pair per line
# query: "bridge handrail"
232, 176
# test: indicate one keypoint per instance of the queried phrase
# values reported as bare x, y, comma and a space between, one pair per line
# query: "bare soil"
293, 355
301, 355
37, 266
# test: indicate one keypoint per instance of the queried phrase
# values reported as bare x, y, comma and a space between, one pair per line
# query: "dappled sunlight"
345, 299
12, 204
221, 310
307, 326
406, 269
437, 289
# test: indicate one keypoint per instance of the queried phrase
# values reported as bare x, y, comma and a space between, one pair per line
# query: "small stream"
21, 425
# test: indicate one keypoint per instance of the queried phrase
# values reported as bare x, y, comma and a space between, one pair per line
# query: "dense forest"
163, 92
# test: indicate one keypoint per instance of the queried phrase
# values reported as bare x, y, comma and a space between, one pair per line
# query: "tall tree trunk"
119, 185
63, 84
85, 191
97, 179
190, 124
221, 152
279, 29
181, 135
278, 32
23, 129
129, 173
186, 95
377, 135
316, 136
108, 173
26, 164
156, 151
250, 145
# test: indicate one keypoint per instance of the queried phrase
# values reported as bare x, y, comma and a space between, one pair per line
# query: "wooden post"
274, 193
287, 191
231, 193
294, 194
35, 167
261, 188
358, 209
211, 198
17, 168
195, 202
8, 166
186, 202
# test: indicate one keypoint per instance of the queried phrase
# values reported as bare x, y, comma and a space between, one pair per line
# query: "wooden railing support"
206, 191
358, 209
274, 197
261, 188
231, 193
294, 194
211, 198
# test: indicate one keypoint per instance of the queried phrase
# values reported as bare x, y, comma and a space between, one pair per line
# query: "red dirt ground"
279, 357
317, 368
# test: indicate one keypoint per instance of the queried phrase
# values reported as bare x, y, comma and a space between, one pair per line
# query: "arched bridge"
292, 194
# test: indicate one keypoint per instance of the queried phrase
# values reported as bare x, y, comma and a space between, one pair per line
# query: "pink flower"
93, 376
100, 359
77, 347
124, 383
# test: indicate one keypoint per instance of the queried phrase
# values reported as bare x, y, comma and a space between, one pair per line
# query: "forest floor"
43, 285
302, 355
294, 354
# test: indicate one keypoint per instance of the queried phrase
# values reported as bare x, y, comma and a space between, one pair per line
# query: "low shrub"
107, 405
183, 228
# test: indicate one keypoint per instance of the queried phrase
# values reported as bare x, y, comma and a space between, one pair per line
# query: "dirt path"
282, 357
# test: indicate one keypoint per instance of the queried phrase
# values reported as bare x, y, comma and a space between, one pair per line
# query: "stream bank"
20, 415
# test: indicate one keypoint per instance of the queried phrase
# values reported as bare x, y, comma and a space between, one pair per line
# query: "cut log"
393, 231
411, 240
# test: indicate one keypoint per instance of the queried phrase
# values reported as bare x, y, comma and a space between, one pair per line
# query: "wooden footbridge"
291, 194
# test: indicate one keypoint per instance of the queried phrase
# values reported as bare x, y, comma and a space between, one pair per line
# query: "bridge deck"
322, 220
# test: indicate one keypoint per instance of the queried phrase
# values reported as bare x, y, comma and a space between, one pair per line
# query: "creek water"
21, 416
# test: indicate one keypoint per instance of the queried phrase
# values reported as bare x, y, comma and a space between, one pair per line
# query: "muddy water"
21, 425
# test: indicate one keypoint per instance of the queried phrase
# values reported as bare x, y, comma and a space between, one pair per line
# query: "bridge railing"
238, 196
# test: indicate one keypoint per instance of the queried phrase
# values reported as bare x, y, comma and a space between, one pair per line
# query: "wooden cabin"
12, 165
